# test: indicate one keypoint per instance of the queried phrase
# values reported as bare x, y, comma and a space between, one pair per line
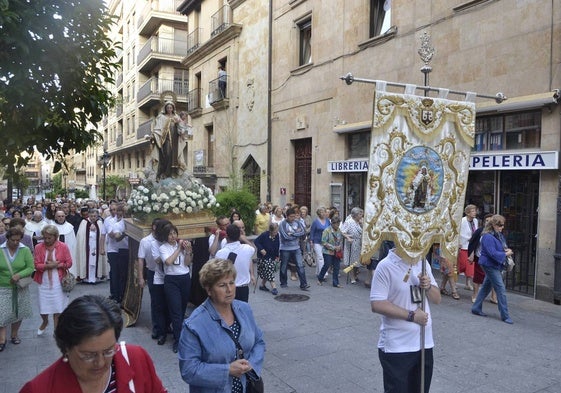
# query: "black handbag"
254, 383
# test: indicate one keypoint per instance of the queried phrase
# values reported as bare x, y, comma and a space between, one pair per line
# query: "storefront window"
508, 132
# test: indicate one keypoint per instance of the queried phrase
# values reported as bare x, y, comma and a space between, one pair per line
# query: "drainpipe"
557, 255
269, 109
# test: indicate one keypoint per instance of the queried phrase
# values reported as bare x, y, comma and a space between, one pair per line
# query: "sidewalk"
328, 344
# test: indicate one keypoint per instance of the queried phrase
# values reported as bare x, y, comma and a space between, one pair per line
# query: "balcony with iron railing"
157, 50
156, 13
144, 130
119, 80
221, 20
194, 40
194, 106
223, 30
218, 92
150, 91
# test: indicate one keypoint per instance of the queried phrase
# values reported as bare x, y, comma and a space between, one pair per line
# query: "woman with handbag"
16, 267
221, 347
494, 253
332, 241
52, 261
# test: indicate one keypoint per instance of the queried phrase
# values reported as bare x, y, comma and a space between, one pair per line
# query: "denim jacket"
206, 349
492, 250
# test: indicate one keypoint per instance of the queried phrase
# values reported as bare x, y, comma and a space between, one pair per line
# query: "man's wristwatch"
411, 316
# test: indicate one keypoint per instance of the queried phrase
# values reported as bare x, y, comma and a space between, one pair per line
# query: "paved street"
328, 344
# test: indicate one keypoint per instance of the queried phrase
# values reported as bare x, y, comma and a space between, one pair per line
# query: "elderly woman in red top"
52, 258
93, 359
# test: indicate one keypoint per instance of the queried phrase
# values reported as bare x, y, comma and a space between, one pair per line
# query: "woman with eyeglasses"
92, 360
494, 253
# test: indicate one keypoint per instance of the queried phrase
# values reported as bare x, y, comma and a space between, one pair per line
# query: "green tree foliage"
243, 201
113, 183
55, 63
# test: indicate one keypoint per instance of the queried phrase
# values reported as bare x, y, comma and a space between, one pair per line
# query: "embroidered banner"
419, 162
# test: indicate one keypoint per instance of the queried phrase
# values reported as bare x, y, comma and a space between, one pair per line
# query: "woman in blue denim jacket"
208, 358
494, 252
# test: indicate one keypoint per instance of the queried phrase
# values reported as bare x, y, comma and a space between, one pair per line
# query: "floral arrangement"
170, 196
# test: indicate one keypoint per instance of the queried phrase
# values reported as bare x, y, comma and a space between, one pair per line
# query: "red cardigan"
59, 377
62, 255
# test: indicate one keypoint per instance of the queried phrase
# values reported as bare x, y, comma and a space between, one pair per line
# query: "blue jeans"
493, 278
285, 256
176, 288
330, 260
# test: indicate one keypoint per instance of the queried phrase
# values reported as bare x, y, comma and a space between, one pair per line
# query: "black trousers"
402, 371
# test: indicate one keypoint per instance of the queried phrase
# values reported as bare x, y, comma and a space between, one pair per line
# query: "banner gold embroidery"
419, 162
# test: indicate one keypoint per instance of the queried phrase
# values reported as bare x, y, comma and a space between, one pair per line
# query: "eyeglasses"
90, 357
501, 225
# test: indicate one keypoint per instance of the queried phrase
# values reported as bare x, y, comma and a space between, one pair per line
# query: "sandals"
263, 288
455, 295
444, 292
15, 340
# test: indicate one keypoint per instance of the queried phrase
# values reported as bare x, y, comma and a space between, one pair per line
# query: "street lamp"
105, 160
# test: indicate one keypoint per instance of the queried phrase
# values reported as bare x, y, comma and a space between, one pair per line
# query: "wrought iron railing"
218, 89
221, 20
160, 45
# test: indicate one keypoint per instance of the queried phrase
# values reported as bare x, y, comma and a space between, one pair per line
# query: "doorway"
514, 195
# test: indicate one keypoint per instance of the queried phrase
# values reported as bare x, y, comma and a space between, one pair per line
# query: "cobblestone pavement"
328, 344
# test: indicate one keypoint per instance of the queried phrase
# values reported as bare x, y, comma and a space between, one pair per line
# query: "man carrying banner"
396, 295
418, 167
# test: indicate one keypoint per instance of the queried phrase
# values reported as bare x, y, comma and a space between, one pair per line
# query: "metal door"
303, 172
519, 205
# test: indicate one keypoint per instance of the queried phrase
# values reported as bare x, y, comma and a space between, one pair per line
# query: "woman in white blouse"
176, 255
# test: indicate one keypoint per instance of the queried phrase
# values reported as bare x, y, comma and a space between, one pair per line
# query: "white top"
178, 267
113, 225
466, 232
243, 262
399, 335
159, 270
145, 251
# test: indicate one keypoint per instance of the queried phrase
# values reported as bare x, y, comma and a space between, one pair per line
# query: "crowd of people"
47, 239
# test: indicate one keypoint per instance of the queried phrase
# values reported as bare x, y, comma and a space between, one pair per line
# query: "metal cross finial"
427, 51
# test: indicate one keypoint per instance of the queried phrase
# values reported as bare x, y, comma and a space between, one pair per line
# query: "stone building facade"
320, 125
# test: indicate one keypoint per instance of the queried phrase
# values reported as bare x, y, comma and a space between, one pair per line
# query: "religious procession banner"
419, 162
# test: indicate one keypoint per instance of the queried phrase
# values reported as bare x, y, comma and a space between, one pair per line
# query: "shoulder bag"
254, 383
23, 282
68, 281
126, 356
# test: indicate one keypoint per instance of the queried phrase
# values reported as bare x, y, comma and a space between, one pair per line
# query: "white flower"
189, 209
175, 210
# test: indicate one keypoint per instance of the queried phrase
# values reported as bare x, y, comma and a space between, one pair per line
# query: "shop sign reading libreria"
478, 162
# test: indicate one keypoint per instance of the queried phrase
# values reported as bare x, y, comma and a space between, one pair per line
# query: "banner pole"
350, 79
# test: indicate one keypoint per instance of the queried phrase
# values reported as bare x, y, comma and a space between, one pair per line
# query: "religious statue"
168, 158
